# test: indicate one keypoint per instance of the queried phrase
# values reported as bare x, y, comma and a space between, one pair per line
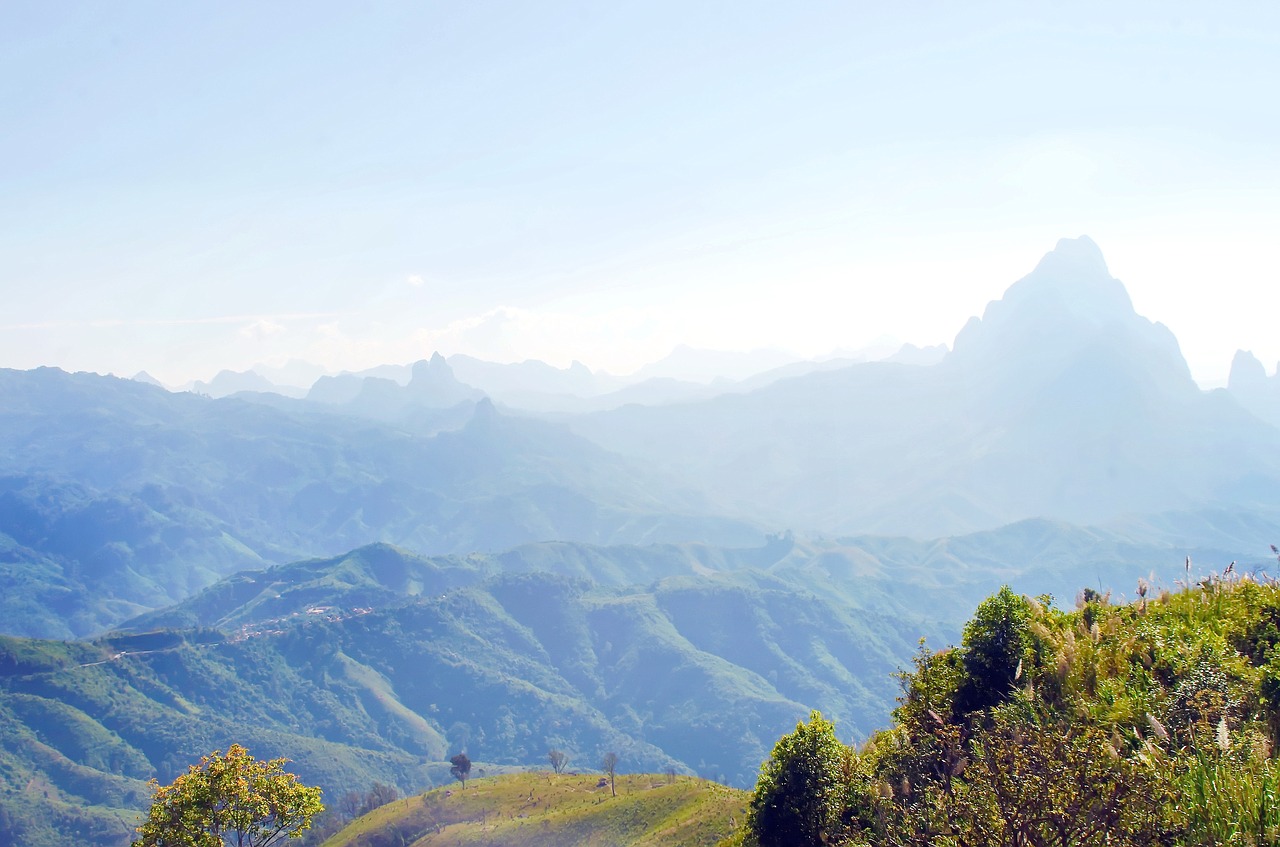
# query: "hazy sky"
191, 186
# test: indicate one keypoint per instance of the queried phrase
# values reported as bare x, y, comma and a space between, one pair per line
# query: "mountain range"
405, 562
1060, 402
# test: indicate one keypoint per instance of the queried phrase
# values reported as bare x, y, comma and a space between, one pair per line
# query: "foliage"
558, 759
229, 799
799, 798
1144, 724
460, 768
995, 645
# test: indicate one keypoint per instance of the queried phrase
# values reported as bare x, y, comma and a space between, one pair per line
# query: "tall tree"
461, 768
799, 796
230, 799
610, 766
558, 759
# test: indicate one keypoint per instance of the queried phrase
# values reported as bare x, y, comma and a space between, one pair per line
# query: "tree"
996, 642
558, 759
1043, 781
461, 768
610, 766
799, 797
230, 799
379, 795
350, 805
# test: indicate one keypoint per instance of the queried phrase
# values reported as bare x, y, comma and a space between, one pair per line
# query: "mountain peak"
1246, 371
1068, 305
1080, 255
1072, 279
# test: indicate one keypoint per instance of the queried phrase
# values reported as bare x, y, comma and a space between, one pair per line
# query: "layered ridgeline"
121, 501
1059, 402
1141, 724
117, 497
377, 665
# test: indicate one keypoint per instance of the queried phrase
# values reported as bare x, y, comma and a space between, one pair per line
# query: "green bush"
1144, 724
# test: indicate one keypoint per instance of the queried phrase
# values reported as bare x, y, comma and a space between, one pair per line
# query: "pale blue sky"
191, 186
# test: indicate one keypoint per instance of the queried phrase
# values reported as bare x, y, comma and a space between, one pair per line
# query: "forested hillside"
118, 497
1152, 722
376, 666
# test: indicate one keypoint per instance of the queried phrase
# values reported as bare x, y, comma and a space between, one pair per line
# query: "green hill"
549, 810
376, 666
1150, 723
117, 497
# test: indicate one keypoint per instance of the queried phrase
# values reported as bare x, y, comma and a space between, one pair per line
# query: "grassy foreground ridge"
550, 810
1148, 723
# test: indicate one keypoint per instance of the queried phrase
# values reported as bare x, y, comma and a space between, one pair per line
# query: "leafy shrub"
1152, 723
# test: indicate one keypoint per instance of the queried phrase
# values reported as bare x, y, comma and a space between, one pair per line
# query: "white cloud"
414, 280
261, 329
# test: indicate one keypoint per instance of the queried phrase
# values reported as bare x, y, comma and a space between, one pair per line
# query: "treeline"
1147, 723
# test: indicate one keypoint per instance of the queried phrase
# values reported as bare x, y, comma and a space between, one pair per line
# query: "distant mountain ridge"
1060, 402
1249, 384
119, 496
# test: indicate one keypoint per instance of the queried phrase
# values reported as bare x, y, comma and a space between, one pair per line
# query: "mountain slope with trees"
1147, 723
359, 682
117, 497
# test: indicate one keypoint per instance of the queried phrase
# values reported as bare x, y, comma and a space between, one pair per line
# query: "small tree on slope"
229, 799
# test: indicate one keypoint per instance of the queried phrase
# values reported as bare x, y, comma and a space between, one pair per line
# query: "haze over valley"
425, 392
427, 563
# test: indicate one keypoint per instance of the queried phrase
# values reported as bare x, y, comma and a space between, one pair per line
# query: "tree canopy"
460, 767
1132, 725
229, 799
798, 797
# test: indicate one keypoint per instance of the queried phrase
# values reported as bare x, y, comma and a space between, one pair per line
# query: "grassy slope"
546, 810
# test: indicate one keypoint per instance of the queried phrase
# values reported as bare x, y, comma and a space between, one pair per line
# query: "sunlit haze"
186, 187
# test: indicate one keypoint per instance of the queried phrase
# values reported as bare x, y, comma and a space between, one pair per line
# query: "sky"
187, 187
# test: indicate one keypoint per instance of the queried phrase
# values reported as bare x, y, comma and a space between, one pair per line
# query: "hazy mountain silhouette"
118, 496
1253, 389
1060, 402
431, 385
226, 383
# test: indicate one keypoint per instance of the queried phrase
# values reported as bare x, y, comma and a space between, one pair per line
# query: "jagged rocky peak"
1065, 308
433, 381
1247, 372
435, 367
1070, 284
433, 373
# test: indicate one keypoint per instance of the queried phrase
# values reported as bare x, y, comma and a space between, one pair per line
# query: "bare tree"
380, 794
558, 759
610, 766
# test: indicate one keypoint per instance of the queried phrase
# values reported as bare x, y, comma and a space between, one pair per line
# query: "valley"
372, 576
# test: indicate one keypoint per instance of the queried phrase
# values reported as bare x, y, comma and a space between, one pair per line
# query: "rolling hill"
549, 810
117, 497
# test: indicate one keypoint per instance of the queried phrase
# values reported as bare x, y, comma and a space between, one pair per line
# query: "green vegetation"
118, 497
551, 810
1141, 724
229, 799
692, 674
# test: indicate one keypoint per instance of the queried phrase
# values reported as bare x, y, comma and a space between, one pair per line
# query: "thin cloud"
149, 322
